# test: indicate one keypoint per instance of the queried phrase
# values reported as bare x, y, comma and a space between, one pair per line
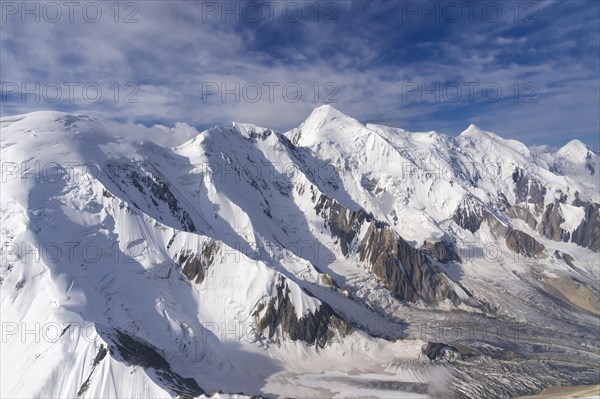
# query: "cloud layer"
527, 70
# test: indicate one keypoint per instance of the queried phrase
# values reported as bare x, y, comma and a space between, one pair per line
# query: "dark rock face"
578, 201
469, 215
194, 265
523, 213
260, 135
151, 186
439, 350
279, 316
566, 257
587, 233
517, 211
343, 223
550, 224
443, 251
442, 351
569, 259
102, 352
136, 352
523, 244
528, 189
405, 271
589, 165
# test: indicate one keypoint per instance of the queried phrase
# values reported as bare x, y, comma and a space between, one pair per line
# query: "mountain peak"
472, 130
573, 148
324, 113
322, 119
247, 130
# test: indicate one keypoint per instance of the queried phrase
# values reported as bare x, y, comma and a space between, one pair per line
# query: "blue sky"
528, 70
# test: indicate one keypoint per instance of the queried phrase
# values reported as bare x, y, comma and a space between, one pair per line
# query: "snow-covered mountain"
334, 259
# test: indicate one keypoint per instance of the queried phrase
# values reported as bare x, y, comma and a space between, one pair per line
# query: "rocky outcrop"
194, 265
577, 201
523, 244
569, 259
342, 222
442, 351
528, 189
517, 211
406, 272
470, 214
587, 233
565, 257
522, 212
589, 163
153, 188
278, 316
102, 352
550, 224
443, 251
134, 351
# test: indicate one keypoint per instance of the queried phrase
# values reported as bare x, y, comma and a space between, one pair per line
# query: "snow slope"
307, 263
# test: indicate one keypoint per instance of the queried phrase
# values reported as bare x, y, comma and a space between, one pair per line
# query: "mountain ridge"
244, 244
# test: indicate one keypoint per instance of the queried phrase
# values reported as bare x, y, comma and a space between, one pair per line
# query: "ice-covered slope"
303, 263
80, 234
419, 179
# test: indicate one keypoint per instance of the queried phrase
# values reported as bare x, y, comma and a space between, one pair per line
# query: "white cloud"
175, 50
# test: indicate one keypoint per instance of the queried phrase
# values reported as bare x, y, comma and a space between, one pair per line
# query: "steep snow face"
574, 149
95, 237
578, 162
245, 260
375, 171
416, 181
325, 124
